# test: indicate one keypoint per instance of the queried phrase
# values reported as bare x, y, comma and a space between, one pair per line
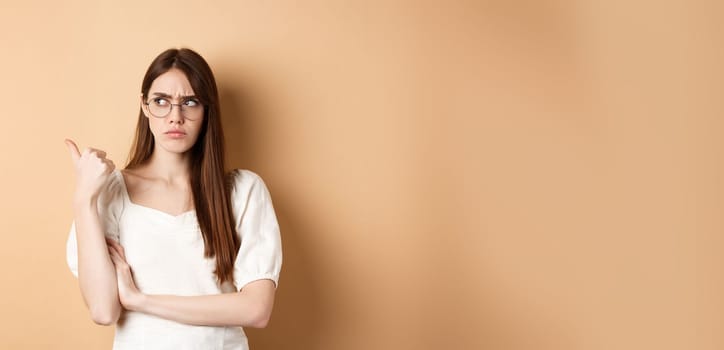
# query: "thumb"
74, 153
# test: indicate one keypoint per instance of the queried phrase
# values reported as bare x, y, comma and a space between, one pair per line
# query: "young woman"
173, 250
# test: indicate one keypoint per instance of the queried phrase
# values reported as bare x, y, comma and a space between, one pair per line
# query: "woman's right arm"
96, 272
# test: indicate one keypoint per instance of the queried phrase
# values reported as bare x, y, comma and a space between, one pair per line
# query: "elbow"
105, 317
103, 320
256, 304
259, 322
260, 319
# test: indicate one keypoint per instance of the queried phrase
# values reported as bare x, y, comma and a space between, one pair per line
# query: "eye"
159, 101
192, 103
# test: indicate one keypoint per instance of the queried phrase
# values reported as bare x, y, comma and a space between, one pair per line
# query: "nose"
175, 115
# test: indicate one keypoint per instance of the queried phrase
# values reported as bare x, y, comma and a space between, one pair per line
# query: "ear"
144, 107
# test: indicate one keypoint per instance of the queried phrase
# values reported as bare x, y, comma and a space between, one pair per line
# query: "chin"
178, 148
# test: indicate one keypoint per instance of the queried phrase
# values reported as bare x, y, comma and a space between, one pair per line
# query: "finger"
121, 251
110, 241
118, 248
118, 262
99, 153
113, 250
73, 148
109, 163
114, 257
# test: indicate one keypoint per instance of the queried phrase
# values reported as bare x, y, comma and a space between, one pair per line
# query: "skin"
105, 278
96, 271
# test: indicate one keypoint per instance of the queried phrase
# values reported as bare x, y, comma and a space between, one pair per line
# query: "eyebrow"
161, 94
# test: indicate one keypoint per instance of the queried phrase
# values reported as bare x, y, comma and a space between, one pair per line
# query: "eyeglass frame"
171, 109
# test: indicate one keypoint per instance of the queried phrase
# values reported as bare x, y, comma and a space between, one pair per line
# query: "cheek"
155, 125
195, 131
196, 127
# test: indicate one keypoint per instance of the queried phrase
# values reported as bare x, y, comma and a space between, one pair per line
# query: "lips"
175, 134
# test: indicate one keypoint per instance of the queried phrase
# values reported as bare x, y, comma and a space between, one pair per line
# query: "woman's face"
177, 131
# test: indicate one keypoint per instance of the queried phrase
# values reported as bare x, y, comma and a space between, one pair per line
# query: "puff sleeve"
260, 253
110, 203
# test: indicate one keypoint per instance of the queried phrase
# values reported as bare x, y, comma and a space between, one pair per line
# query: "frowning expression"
174, 114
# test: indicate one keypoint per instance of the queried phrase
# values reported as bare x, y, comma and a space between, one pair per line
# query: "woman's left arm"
250, 307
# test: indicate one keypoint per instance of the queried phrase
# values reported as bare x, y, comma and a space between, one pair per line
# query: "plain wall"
446, 174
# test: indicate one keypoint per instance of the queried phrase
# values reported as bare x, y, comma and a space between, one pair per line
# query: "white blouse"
166, 255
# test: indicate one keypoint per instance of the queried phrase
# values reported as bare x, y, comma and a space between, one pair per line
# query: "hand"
128, 294
92, 169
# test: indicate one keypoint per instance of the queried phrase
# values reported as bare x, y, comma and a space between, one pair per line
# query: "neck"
172, 167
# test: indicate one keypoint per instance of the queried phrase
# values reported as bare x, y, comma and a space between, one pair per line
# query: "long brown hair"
210, 187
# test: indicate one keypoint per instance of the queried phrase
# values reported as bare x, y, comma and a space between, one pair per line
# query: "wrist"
138, 302
81, 202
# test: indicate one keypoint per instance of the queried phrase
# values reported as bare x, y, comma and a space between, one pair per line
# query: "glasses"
161, 107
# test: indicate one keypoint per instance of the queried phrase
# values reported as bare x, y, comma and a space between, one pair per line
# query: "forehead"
173, 82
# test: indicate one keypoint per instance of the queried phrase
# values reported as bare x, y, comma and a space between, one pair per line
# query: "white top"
166, 255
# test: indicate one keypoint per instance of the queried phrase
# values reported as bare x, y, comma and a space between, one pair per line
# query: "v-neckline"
159, 211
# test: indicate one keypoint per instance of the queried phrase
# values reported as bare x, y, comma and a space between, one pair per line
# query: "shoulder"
243, 180
111, 196
115, 186
247, 187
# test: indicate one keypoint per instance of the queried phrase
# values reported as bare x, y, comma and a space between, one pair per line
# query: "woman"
174, 251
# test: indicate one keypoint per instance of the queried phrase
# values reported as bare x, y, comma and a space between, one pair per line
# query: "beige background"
447, 175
